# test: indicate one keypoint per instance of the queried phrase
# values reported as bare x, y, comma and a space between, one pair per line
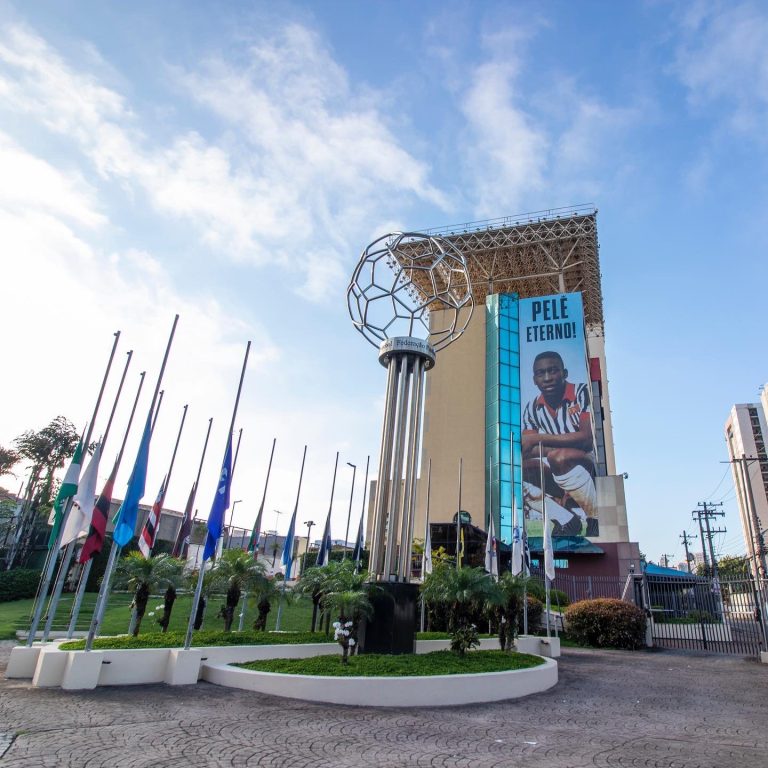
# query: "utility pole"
708, 512
665, 557
686, 537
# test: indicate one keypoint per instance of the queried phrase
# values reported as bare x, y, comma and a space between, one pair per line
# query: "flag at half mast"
98, 529
149, 531
220, 504
79, 518
125, 520
67, 489
181, 544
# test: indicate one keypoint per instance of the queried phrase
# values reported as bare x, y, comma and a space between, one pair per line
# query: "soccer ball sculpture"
400, 279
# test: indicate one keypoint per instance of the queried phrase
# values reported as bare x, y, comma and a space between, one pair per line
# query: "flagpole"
358, 545
545, 531
163, 493
237, 449
458, 518
85, 572
54, 550
181, 549
427, 540
523, 533
289, 543
253, 544
228, 447
324, 554
101, 602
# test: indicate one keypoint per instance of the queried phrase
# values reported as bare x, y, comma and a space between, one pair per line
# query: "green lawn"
14, 615
406, 665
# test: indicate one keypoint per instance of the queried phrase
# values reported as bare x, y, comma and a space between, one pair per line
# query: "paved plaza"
610, 708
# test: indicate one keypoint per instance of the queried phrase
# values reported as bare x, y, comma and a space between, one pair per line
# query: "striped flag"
185, 529
67, 489
98, 528
149, 531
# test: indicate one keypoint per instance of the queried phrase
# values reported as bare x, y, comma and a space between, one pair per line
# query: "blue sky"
229, 161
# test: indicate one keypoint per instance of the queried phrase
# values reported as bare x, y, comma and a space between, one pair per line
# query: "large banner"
558, 444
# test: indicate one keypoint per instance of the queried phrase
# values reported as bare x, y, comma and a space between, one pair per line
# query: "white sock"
532, 494
581, 486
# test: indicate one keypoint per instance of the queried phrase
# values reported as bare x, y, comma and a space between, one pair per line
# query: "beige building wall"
745, 435
596, 348
454, 428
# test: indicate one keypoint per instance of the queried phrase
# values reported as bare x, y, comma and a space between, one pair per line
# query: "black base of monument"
392, 629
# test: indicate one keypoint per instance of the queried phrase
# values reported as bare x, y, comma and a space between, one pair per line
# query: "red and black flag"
98, 528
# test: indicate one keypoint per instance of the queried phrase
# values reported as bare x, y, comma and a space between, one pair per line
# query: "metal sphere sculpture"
400, 279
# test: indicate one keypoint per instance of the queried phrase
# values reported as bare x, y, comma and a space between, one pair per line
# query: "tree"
239, 572
8, 460
337, 576
350, 606
266, 594
46, 451
145, 575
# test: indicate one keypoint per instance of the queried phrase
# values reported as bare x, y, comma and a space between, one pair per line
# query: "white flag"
491, 561
79, 518
426, 567
549, 557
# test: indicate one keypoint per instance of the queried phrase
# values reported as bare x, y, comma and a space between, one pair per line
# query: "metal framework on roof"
534, 254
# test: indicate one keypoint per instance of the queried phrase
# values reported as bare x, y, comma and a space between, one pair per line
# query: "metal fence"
700, 613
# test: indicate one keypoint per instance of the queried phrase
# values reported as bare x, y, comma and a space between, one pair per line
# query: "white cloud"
302, 156
721, 59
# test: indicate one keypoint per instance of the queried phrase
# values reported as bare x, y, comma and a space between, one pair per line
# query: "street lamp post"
231, 518
309, 525
349, 513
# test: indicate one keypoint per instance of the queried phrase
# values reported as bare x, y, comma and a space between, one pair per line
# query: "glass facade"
502, 412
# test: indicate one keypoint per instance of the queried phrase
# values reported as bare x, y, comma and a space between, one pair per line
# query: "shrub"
606, 623
556, 596
464, 638
18, 584
535, 612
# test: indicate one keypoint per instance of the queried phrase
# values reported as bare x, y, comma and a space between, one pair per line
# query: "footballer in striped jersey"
559, 420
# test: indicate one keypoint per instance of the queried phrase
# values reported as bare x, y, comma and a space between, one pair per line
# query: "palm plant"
146, 574
239, 572
506, 597
460, 591
350, 605
337, 576
266, 594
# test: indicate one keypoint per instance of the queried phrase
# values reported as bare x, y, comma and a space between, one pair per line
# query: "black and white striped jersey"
539, 417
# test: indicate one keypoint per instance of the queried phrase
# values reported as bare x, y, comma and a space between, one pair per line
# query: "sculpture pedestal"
392, 629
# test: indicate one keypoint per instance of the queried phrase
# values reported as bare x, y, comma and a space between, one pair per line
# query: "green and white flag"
67, 490
79, 518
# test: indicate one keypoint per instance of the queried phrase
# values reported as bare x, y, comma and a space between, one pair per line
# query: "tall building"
745, 436
538, 305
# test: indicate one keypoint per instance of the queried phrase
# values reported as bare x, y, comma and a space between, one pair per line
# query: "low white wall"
437, 690
712, 632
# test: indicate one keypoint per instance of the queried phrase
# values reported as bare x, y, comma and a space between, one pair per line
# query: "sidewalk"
611, 708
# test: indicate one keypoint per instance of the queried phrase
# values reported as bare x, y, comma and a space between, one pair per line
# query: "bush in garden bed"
606, 623
18, 584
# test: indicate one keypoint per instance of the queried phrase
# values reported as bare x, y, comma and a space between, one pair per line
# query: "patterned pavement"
611, 709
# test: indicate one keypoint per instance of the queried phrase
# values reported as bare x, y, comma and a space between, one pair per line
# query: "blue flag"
125, 519
359, 544
220, 505
288, 546
324, 555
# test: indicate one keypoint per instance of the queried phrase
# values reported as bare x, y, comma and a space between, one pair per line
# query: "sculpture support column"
406, 359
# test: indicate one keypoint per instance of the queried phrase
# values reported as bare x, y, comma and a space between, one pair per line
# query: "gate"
699, 613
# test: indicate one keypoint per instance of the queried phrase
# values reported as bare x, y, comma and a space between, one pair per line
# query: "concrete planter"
437, 690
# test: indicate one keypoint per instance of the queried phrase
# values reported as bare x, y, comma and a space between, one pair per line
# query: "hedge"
606, 623
18, 584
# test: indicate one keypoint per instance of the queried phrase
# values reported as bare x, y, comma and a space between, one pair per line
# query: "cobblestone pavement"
610, 708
